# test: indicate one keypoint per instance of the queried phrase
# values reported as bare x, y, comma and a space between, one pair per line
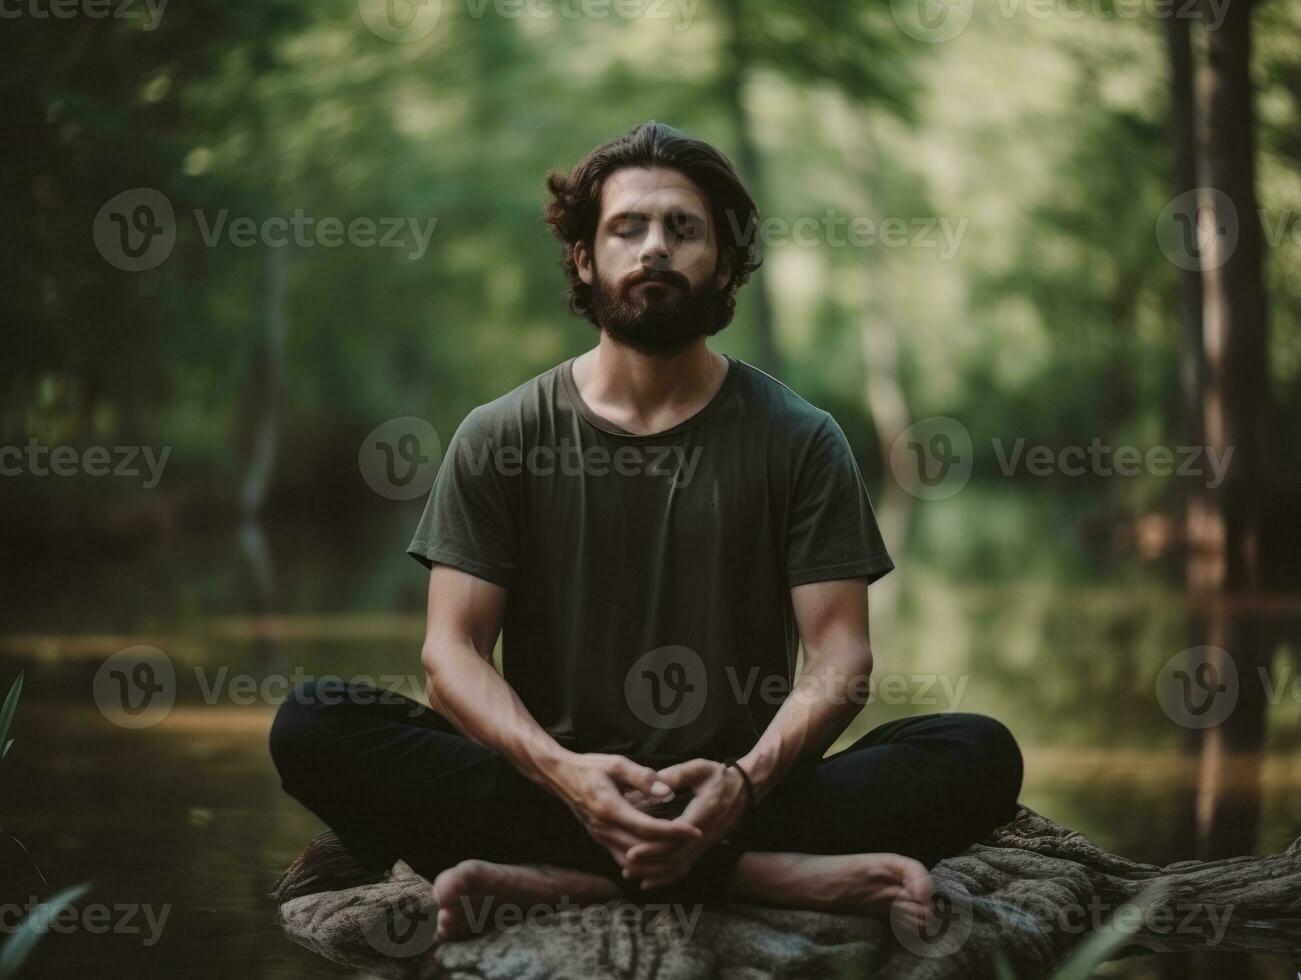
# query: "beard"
656, 320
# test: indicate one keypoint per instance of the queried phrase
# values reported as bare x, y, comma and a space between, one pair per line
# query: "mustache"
654, 275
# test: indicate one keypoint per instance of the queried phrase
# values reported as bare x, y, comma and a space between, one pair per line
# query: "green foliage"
7, 714
23, 940
1095, 950
1057, 320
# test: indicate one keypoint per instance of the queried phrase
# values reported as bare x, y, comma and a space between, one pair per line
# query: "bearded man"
655, 530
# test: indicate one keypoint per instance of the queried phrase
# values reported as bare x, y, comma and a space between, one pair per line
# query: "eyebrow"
641, 215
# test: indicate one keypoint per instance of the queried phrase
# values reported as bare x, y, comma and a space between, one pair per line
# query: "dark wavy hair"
575, 205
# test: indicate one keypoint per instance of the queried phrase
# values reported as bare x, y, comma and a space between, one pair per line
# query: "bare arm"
465, 617
832, 684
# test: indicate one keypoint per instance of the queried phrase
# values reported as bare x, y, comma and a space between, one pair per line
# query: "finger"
651, 849
643, 778
683, 774
628, 818
637, 798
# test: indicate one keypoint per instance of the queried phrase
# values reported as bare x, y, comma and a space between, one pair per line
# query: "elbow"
432, 663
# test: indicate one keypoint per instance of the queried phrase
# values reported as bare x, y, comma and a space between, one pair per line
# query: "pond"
1004, 601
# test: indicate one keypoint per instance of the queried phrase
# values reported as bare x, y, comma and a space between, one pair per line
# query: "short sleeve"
469, 519
832, 532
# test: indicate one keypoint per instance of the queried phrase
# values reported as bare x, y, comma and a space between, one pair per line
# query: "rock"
1033, 889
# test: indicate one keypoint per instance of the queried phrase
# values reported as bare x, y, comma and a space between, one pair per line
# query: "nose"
656, 248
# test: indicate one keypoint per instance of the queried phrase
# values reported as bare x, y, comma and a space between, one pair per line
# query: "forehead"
651, 190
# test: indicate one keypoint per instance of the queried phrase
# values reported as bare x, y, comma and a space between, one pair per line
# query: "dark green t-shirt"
648, 609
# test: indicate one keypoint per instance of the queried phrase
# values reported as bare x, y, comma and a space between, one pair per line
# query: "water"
1004, 601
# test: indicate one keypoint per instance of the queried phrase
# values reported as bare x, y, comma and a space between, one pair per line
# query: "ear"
583, 259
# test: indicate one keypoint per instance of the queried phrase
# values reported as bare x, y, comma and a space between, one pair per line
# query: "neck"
645, 391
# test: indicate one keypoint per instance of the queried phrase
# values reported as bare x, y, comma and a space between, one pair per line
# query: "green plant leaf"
1099, 947
10, 706
1003, 966
29, 932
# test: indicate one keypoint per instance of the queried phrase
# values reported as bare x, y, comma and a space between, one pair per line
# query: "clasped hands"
610, 795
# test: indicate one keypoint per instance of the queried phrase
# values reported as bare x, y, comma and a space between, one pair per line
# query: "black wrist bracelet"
749, 787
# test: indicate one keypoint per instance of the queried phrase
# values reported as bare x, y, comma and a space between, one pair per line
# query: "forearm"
463, 687
828, 694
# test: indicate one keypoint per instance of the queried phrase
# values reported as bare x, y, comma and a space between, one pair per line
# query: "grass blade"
7, 712
30, 930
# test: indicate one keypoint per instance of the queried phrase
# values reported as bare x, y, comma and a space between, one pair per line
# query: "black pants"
394, 779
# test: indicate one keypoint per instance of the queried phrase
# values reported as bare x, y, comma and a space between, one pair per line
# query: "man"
655, 529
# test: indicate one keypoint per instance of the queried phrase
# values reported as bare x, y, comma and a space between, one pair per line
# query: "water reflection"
995, 596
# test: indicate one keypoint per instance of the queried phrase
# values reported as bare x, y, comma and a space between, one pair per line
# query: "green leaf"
1099, 947
10, 706
8, 745
1003, 966
31, 929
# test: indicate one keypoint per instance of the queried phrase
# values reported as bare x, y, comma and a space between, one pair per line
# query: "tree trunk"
736, 62
1225, 570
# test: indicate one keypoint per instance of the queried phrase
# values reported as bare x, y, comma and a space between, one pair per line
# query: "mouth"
663, 283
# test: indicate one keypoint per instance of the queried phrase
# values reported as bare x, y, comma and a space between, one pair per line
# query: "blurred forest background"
1067, 143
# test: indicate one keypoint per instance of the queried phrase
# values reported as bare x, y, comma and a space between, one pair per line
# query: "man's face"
655, 275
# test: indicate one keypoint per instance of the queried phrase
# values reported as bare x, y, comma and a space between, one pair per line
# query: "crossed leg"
856, 830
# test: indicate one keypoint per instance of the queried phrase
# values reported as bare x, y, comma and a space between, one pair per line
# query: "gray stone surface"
1033, 889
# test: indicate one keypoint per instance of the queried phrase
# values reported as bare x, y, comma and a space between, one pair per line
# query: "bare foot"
468, 893
876, 883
